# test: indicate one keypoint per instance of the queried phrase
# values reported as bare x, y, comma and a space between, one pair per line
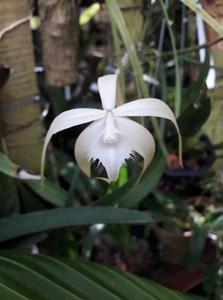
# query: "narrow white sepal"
69, 119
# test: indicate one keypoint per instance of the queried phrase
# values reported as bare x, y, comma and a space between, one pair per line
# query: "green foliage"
64, 217
58, 219
41, 277
198, 111
6, 166
127, 196
51, 192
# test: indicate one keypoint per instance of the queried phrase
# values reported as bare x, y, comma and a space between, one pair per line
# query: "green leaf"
9, 196
128, 196
51, 192
197, 242
198, 88
155, 289
217, 224
40, 277
7, 293
194, 117
63, 217
118, 20
6, 166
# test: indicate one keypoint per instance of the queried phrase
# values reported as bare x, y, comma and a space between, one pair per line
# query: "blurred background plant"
168, 227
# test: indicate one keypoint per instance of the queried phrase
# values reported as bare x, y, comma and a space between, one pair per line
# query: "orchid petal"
69, 119
90, 147
141, 140
109, 90
149, 107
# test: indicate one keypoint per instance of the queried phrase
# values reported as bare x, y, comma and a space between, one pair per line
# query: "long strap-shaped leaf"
64, 217
39, 277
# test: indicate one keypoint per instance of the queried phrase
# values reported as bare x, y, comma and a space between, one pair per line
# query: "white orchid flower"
111, 137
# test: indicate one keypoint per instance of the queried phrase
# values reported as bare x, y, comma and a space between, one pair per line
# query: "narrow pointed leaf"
37, 277
51, 192
64, 217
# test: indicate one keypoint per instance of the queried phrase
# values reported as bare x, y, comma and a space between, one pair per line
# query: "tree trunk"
132, 13
20, 113
214, 124
59, 29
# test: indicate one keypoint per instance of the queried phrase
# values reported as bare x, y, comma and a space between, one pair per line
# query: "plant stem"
175, 56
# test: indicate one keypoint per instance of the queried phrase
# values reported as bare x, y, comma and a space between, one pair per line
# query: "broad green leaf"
194, 117
11, 169
155, 289
64, 217
51, 192
9, 199
37, 277
6, 166
30, 283
217, 224
7, 293
194, 297
197, 88
114, 281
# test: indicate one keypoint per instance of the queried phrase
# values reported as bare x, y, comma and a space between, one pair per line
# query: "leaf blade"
64, 217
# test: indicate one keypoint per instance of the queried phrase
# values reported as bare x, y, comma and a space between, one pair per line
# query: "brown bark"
215, 9
20, 114
214, 125
131, 10
59, 29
